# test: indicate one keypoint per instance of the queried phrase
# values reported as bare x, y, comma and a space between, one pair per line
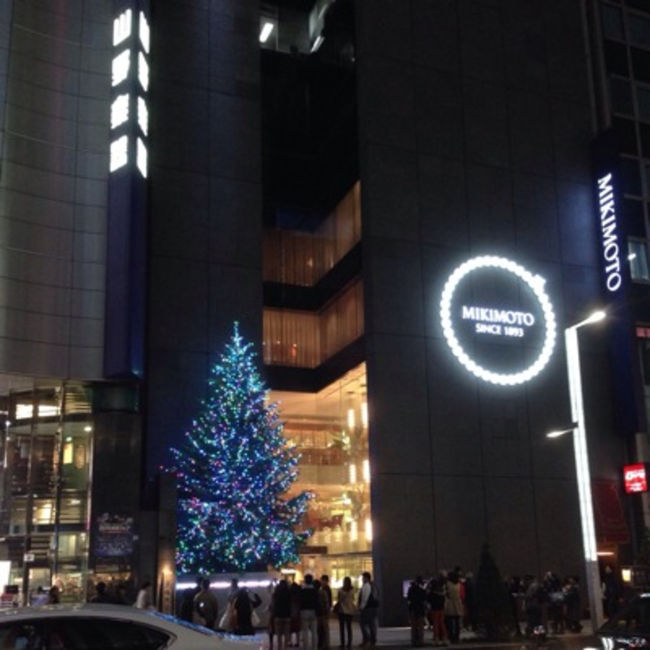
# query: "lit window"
141, 159
119, 153
143, 116
144, 32
122, 27
24, 411
266, 30
143, 71
68, 449
121, 64
119, 110
637, 257
48, 410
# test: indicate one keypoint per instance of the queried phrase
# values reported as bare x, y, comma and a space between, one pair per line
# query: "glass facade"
626, 54
306, 339
46, 492
303, 258
330, 431
637, 256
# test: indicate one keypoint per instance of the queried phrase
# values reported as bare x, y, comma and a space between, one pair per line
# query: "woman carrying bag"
345, 609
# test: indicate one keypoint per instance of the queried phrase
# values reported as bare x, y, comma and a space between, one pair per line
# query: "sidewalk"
400, 637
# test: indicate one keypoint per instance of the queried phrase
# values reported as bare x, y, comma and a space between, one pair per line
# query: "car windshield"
632, 619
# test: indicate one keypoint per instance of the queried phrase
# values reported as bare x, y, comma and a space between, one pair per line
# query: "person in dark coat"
416, 598
611, 592
244, 605
186, 609
101, 594
309, 610
294, 591
280, 615
572, 601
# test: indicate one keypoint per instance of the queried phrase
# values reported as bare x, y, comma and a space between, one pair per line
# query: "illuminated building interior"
48, 458
330, 430
313, 313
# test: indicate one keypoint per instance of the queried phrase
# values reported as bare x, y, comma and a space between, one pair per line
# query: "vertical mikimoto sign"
612, 240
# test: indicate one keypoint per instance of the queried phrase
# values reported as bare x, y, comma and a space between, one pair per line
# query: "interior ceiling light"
536, 284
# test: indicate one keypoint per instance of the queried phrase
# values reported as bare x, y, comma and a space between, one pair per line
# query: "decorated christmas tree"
234, 469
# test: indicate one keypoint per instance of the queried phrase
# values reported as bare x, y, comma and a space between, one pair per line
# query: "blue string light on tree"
234, 468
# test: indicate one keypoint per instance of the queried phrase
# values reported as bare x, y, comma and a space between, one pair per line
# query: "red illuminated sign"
634, 478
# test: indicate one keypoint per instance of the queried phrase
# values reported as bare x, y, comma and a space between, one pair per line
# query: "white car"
108, 627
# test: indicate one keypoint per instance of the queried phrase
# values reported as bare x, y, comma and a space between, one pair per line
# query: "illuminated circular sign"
499, 323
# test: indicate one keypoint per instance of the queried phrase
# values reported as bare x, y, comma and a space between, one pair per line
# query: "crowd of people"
448, 603
200, 605
444, 602
300, 614
551, 602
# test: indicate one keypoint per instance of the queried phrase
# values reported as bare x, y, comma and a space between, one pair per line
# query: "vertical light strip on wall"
129, 109
124, 331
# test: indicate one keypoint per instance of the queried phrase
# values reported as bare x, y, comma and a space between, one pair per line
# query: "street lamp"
583, 475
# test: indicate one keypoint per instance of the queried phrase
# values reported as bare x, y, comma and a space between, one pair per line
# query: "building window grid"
636, 86
626, 14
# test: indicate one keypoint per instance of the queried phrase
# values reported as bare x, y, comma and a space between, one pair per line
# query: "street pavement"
400, 637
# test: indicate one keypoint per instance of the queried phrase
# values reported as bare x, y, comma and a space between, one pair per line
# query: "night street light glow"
536, 284
557, 434
267, 28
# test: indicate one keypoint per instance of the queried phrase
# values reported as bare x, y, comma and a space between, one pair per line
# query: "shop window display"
330, 431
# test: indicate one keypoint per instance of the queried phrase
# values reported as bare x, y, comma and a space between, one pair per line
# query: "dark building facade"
324, 172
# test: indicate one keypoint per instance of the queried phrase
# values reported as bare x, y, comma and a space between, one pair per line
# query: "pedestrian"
611, 592
186, 608
186, 602
572, 603
556, 606
325, 600
101, 595
345, 609
244, 606
325, 586
471, 611
368, 605
309, 607
53, 596
453, 607
233, 590
322, 618
516, 597
416, 599
280, 615
144, 599
436, 591
294, 628
533, 599
206, 605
